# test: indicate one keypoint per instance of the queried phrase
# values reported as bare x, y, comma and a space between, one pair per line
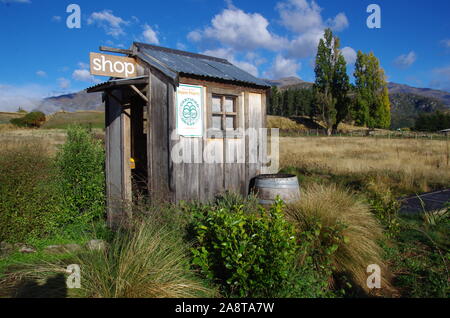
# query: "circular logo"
190, 111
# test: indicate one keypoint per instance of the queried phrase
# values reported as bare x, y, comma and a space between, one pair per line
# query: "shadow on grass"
54, 287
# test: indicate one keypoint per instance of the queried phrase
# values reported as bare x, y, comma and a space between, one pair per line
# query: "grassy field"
407, 166
62, 120
5, 117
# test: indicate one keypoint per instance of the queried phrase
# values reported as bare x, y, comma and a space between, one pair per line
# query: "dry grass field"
62, 120
407, 165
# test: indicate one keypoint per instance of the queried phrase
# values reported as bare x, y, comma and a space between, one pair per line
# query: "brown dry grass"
408, 165
17, 138
333, 205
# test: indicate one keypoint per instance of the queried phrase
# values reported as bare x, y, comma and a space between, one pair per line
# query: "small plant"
385, 207
250, 255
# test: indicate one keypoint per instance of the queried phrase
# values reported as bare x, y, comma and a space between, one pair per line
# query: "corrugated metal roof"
172, 62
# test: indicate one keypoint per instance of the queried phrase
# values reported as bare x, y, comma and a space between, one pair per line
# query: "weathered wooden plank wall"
209, 165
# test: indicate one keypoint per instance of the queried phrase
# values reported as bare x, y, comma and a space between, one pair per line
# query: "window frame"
236, 95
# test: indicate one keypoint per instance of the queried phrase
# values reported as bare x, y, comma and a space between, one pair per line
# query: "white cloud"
339, 23
16, 1
441, 78
304, 18
181, 46
239, 30
84, 75
150, 35
405, 60
349, 55
305, 45
300, 15
26, 96
63, 83
83, 66
228, 54
41, 73
112, 24
283, 67
446, 43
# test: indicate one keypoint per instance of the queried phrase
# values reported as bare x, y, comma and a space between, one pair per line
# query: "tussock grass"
142, 261
334, 206
146, 261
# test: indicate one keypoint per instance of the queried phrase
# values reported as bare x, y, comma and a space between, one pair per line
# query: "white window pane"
230, 122
229, 105
216, 104
217, 122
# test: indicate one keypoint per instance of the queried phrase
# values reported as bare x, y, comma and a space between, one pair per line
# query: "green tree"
332, 82
371, 107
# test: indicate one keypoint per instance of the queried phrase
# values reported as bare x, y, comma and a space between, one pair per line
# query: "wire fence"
366, 133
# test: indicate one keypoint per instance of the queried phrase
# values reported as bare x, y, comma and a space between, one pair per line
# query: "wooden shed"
179, 129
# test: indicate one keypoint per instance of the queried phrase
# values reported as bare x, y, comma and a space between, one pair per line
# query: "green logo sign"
190, 111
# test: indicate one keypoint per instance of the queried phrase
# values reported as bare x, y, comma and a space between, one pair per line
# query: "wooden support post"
139, 93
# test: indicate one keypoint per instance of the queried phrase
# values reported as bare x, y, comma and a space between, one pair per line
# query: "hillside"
406, 107
72, 102
442, 96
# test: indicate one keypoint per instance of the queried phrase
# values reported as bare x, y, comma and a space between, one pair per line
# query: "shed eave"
140, 80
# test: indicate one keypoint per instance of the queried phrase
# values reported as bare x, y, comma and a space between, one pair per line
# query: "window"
224, 112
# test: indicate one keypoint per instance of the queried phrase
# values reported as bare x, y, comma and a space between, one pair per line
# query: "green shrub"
32, 120
250, 255
28, 197
81, 177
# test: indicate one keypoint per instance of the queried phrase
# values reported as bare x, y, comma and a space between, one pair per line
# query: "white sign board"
189, 108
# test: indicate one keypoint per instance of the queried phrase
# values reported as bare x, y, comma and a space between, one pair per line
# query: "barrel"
268, 186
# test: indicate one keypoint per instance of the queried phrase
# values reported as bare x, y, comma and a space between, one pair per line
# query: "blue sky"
41, 56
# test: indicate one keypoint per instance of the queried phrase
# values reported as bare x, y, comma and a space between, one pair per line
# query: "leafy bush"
250, 255
29, 199
80, 165
32, 120
338, 230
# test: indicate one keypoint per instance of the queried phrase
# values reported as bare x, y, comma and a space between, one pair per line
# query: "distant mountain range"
407, 101
72, 102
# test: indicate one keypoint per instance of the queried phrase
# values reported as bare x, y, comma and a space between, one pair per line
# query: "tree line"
332, 98
433, 122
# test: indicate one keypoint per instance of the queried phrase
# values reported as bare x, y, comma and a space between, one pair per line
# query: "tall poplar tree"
332, 82
372, 107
